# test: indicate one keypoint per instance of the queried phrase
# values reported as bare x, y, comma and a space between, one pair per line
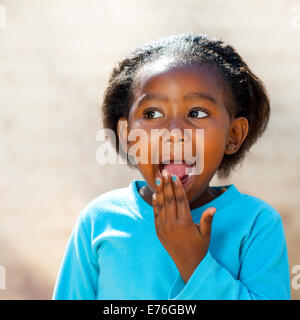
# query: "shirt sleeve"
78, 275
263, 274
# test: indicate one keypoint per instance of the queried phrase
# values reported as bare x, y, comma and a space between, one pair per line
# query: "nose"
177, 139
176, 133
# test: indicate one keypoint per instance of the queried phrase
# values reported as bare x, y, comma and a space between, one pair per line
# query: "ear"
122, 130
238, 133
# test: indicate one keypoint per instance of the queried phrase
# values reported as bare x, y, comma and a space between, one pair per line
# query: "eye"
199, 113
150, 114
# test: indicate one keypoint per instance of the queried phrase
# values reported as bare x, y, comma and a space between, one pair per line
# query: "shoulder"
245, 206
108, 203
261, 210
261, 218
248, 213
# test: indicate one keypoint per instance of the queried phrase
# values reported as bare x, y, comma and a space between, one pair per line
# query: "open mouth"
178, 169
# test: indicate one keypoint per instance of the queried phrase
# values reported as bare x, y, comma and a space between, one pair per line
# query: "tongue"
177, 169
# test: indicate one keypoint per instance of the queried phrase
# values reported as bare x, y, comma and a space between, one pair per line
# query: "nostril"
161, 166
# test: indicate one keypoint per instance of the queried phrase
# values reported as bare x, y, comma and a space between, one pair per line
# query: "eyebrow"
190, 95
201, 95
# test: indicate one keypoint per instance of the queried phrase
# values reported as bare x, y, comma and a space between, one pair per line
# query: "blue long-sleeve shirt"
114, 252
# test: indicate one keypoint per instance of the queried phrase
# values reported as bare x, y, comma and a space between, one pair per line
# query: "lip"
162, 163
185, 181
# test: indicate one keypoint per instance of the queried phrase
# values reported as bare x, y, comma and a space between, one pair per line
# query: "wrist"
187, 266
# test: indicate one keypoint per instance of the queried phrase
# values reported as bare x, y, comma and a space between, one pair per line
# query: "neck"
206, 196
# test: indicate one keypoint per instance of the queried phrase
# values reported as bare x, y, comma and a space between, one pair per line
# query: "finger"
160, 204
206, 221
156, 215
169, 196
182, 204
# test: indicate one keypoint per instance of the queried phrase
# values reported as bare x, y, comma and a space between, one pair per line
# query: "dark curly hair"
248, 96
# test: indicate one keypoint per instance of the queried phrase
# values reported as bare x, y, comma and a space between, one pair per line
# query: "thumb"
206, 221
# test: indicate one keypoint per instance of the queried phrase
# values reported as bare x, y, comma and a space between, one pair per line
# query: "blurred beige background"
55, 58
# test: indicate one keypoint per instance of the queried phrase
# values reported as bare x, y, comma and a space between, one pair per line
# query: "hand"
185, 241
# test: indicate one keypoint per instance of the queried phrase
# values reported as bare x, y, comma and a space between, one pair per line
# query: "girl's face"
189, 97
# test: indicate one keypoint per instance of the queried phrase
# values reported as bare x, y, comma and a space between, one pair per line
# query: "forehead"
175, 80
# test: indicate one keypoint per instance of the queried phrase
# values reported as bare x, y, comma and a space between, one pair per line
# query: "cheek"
214, 144
149, 146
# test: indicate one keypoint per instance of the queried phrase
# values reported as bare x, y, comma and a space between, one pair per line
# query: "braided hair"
248, 96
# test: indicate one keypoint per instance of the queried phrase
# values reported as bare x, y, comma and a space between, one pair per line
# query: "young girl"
172, 235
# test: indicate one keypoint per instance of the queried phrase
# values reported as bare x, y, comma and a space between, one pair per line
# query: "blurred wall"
55, 58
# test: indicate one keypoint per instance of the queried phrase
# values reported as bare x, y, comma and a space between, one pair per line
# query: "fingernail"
212, 212
173, 178
165, 173
157, 181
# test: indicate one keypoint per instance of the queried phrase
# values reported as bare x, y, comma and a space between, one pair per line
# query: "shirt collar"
146, 211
